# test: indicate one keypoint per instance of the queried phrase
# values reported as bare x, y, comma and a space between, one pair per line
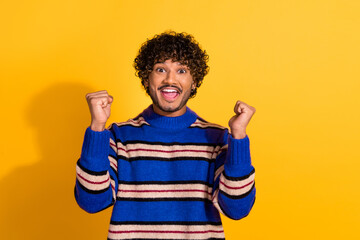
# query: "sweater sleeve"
96, 171
234, 184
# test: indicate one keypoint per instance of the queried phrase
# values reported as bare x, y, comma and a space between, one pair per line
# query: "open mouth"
170, 93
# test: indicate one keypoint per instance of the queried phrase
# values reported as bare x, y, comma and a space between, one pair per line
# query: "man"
168, 173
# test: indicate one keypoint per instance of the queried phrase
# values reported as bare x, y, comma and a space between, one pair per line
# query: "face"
170, 85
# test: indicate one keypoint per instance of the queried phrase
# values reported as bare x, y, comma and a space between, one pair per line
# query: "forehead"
170, 62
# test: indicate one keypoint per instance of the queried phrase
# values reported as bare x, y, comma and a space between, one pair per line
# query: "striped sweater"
166, 177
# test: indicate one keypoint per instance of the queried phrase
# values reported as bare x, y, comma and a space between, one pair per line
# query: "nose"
170, 78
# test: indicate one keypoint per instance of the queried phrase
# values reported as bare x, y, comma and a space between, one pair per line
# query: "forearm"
236, 185
95, 172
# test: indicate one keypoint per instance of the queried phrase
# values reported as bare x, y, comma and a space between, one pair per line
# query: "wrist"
97, 127
238, 134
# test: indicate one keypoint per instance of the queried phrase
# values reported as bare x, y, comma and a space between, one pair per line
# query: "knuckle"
93, 100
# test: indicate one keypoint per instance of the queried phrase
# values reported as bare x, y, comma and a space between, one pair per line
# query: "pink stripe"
186, 190
131, 121
139, 121
92, 181
205, 124
114, 163
154, 150
113, 144
236, 187
136, 121
201, 123
213, 197
114, 166
143, 231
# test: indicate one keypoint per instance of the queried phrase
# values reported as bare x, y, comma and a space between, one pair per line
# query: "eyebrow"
179, 63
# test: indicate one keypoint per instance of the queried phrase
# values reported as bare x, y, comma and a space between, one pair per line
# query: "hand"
239, 122
99, 105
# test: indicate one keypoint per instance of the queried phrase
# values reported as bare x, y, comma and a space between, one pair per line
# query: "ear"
146, 83
193, 85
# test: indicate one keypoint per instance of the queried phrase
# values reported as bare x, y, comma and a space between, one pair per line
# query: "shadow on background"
37, 201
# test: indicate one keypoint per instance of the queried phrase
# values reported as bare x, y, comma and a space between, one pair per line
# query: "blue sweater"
166, 177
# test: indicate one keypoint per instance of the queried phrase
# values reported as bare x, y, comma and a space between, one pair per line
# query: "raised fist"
99, 105
239, 122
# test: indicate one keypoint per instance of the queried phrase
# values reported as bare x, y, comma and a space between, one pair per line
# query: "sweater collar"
156, 120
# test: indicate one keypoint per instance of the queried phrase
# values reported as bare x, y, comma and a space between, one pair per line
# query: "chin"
169, 108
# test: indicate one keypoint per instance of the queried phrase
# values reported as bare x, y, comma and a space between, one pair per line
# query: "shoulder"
138, 121
212, 131
201, 123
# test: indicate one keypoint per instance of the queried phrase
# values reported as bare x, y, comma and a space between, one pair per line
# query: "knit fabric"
166, 177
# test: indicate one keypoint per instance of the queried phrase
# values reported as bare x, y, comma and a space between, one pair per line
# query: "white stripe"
113, 162
202, 124
218, 172
152, 195
112, 182
180, 186
165, 227
92, 178
215, 201
166, 231
113, 145
164, 191
150, 150
240, 183
237, 184
132, 146
136, 123
236, 192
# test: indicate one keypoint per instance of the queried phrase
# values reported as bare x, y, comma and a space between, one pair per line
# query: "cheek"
154, 81
189, 83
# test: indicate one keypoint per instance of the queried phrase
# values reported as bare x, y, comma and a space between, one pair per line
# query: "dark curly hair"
179, 47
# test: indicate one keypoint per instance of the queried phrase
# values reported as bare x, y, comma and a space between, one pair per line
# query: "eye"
159, 69
181, 71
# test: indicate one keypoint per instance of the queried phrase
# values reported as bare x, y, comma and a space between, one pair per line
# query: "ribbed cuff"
238, 160
95, 150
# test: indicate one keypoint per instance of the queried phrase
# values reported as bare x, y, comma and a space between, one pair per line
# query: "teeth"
169, 90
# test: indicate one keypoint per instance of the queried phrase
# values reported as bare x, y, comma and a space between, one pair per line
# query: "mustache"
167, 85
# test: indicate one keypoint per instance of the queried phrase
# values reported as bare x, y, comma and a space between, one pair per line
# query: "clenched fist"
99, 105
239, 122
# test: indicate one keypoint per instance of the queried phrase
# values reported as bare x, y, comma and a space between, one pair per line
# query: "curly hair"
179, 47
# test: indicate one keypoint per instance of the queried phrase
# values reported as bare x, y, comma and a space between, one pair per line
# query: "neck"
177, 113
168, 122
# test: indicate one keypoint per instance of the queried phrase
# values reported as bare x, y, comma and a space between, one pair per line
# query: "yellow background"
296, 62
